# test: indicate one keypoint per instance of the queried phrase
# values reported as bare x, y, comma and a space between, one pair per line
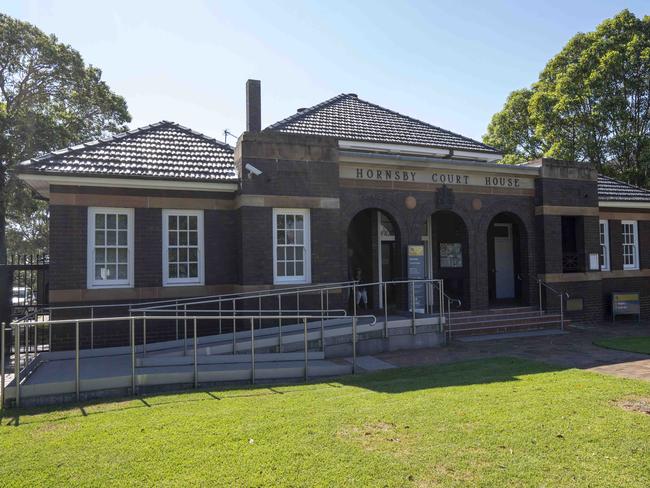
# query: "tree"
49, 98
512, 131
590, 103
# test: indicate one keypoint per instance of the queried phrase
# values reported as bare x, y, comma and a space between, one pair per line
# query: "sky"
450, 63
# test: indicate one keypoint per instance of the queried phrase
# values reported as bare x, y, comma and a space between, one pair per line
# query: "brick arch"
526, 265
376, 202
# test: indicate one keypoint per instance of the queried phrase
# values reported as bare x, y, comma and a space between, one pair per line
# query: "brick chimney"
253, 106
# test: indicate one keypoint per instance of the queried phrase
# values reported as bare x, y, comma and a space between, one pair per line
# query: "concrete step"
524, 315
506, 319
479, 329
493, 311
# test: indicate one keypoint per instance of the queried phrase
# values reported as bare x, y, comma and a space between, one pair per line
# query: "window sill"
111, 286
173, 284
292, 282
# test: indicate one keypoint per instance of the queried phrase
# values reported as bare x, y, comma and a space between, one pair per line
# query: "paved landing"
573, 350
370, 363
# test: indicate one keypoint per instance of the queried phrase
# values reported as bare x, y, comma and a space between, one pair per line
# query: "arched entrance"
374, 252
449, 254
507, 260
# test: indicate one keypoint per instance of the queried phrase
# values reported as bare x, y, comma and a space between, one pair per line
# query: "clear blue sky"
451, 63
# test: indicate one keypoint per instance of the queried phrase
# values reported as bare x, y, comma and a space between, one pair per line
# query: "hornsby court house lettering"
438, 177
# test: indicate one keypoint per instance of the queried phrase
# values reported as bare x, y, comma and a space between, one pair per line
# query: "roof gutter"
41, 183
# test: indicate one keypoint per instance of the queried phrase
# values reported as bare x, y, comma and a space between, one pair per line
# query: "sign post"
416, 271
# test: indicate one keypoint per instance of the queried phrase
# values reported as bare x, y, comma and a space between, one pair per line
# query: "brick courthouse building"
346, 185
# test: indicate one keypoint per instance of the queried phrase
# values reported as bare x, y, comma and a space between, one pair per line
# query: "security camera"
252, 170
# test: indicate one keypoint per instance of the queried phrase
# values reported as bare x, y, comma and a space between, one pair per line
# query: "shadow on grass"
393, 381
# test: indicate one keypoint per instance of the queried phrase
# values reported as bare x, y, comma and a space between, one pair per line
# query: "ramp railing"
423, 296
24, 365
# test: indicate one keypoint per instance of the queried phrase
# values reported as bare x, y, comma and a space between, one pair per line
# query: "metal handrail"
41, 310
561, 295
16, 326
242, 295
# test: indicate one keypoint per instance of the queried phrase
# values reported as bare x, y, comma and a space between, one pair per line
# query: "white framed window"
110, 247
183, 256
291, 246
604, 245
630, 244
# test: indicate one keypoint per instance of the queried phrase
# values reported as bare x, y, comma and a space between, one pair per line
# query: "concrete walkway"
572, 350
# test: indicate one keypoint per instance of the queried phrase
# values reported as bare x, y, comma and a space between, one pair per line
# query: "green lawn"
632, 344
500, 422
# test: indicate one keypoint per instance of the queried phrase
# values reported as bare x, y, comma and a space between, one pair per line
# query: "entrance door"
504, 266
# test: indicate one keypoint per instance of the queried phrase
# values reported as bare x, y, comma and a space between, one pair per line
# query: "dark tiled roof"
159, 151
611, 190
348, 117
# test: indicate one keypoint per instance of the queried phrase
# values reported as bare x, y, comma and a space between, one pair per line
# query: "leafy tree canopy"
591, 103
49, 98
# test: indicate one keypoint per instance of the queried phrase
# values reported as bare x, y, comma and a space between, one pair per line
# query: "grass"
631, 344
497, 422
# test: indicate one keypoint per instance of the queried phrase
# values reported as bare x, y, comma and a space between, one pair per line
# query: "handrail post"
35, 340
562, 311
259, 309
219, 317
184, 330
176, 314
17, 362
49, 333
234, 337
539, 292
26, 345
298, 304
132, 334
412, 308
92, 327
196, 366
234, 325
252, 352
441, 311
385, 285
306, 351
76, 358
354, 298
144, 334
2, 366
354, 344
322, 320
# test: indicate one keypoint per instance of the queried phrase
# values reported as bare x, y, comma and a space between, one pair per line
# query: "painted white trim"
635, 227
41, 183
395, 148
418, 150
91, 283
624, 204
200, 280
306, 277
606, 265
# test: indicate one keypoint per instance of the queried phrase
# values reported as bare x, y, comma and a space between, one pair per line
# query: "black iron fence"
26, 284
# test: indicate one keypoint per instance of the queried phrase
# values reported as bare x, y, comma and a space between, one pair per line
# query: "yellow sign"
416, 250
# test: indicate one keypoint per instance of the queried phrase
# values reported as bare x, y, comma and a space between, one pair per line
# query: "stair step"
492, 311
507, 320
495, 317
496, 328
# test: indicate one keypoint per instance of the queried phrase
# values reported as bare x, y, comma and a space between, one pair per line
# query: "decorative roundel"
410, 202
477, 204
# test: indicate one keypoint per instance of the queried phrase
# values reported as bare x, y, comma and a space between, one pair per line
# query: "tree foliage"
591, 103
49, 98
